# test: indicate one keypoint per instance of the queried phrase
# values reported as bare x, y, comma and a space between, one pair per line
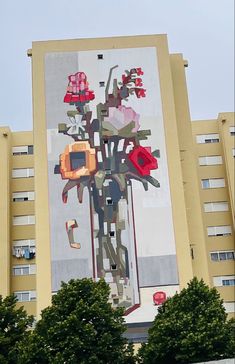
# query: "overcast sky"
203, 30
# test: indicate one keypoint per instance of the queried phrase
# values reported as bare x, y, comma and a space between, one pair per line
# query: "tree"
14, 324
79, 327
190, 327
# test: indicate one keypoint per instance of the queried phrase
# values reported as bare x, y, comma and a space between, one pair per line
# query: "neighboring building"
17, 217
106, 205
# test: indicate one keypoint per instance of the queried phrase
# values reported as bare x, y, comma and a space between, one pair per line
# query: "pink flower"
122, 116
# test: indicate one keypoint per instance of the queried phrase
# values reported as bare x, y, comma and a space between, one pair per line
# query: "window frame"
21, 196
226, 252
217, 230
32, 296
207, 138
23, 150
210, 181
30, 220
212, 206
29, 172
208, 160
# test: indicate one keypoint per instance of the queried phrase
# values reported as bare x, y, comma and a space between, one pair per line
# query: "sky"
202, 30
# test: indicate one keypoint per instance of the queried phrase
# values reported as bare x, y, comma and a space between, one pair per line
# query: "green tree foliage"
14, 324
190, 327
79, 327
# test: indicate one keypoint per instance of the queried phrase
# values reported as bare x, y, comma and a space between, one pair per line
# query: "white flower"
75, 125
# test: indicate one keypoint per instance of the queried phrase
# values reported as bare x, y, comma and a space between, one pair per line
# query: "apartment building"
17, 216
214, 152
115, 180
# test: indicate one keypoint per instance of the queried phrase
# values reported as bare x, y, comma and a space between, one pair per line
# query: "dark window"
104, 112
109, 201
216, 140
111, 233
214, 257
20, 199
102, 83
30, 149
77, 160
100, 56
113, 266
222, 256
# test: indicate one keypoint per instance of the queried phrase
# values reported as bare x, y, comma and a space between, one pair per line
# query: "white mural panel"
110, 204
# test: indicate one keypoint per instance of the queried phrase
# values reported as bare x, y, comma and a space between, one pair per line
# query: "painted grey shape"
57, 68
157, 271
64, 270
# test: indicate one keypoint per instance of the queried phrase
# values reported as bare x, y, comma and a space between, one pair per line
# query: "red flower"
142, 160
68, 97
138, 82
78, 89
140, 92
139, 71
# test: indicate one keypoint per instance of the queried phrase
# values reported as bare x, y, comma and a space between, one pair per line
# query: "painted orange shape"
78, 160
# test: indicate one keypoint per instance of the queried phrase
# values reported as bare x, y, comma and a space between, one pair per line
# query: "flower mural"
105, 156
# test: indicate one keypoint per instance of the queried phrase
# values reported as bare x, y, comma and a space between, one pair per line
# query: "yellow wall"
226, 171
189, 171
5, 144
226, 120
27, 282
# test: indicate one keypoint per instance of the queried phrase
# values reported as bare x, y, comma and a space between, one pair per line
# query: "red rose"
142, 160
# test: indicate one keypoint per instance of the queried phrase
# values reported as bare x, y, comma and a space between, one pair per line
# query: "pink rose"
122, 116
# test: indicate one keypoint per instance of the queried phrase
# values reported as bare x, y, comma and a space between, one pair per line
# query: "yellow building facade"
182, 228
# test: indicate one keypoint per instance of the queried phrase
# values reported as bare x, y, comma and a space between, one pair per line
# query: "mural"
104, 156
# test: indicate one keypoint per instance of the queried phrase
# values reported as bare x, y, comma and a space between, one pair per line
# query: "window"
25, 296
109, 201
22, 150
207, 138
232, 130
229, 306
222, 255
210, 160
104, 112
100, 56
228, 282
223, 230
24, 249
224, 281
102, 83
24, 220
23, 196
21, 270
24, 243
22, 172
215, 206
213, 183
